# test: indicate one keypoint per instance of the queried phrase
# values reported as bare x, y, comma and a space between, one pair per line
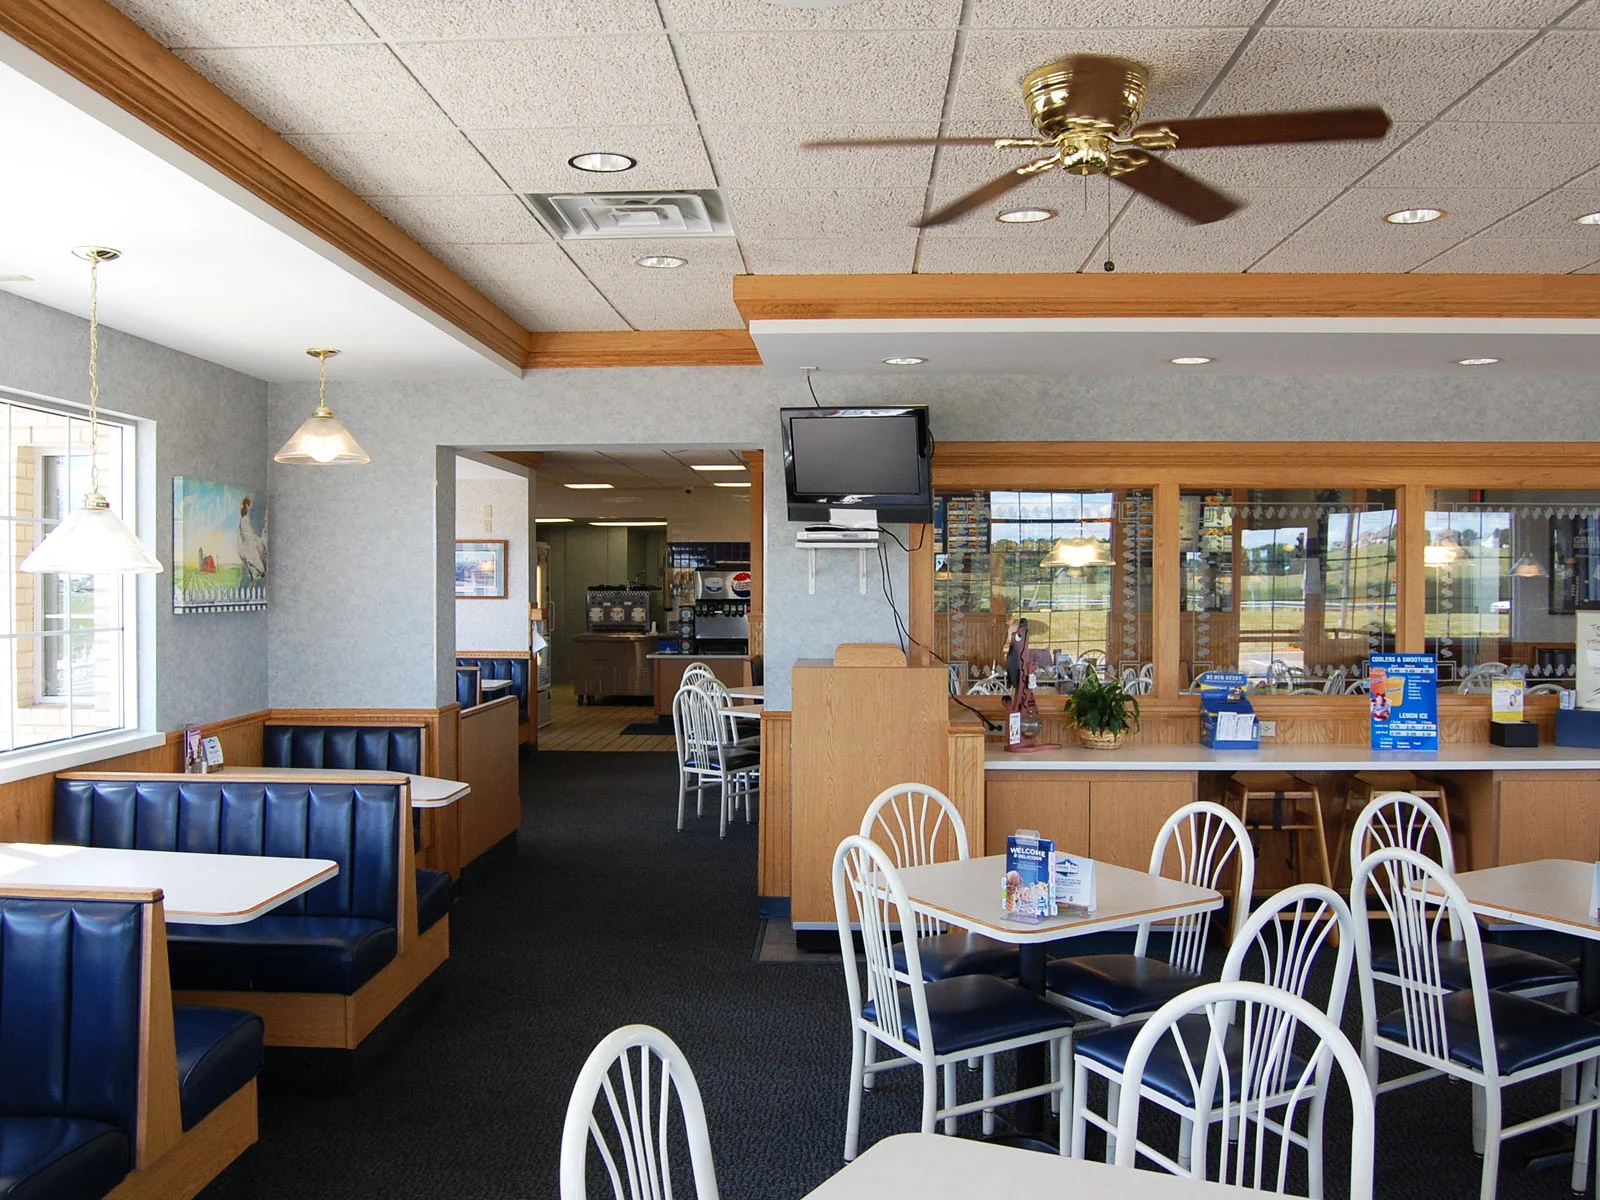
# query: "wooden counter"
666, 674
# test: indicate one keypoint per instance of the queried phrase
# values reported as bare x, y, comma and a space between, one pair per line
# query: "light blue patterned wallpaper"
360, 570
210, 422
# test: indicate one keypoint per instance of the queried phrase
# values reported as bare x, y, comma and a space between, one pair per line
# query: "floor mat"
648, 728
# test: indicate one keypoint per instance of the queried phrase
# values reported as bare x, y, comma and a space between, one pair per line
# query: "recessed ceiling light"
730, 483
1025, 216
1588, 219
661, 262
16, 278
1476, 362
903, 362
628, 524
1192, 360
589, 487
716, 467
552, 520
602, 161
1413, 216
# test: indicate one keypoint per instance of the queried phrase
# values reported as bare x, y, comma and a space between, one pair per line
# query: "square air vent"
580, 216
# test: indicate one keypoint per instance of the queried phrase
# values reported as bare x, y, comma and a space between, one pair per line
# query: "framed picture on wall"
481, 570
219, 547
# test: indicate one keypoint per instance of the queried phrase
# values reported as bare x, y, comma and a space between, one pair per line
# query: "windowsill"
44, 760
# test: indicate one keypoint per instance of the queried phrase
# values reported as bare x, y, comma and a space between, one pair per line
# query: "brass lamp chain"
322, 383
94, 375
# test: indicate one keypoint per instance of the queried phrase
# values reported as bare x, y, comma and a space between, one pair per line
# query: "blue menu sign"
1404, 694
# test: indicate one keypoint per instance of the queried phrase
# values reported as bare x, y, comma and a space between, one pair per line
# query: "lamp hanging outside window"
1527, 567
1073, 552
92, 540
322, 441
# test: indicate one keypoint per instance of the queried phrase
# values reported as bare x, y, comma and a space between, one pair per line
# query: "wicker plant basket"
1101, 741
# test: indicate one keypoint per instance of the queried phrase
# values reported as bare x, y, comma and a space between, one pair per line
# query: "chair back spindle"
1207, 838
915, 823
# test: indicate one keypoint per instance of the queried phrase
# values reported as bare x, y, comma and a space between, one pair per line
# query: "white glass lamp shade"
322, 441
92, 540
1527, 567
1073, 552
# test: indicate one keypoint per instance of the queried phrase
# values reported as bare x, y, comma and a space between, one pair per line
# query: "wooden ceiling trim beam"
101, 48
868, 297
645, 348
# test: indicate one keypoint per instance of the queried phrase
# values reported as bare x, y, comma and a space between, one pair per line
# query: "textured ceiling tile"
535, 160
804, 212
542, 305
402, 164
1060, 194
499, 218
1266, 217
789, 77
1201, 254
726, 15
1514, 256
1587, 16
989, 97
1112, 14
1592, 269
1303, 254
614, 80
1330, 166
701, 302
543, 262
1451, 14
980, 256
1412, 73
769, 156
1553, 81
882, 254
708, 256
1553, 217
1357, 216
321, 89
1477, 154
193, 23
424, 20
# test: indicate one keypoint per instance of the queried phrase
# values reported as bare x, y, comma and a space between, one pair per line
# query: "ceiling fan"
1086, 109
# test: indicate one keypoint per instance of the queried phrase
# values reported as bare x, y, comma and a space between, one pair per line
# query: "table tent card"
1404, 698
1506, 699
1029, 888
1075, 884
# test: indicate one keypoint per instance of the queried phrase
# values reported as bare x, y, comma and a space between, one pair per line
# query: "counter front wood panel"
1126, 814
1548, 816
1057, 807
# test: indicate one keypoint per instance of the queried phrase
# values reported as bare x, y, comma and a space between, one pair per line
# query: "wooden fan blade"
1265, 129
832, 143
1179, 191
978, 197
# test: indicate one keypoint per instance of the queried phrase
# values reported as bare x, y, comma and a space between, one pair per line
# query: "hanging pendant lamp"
92, 540
322, 441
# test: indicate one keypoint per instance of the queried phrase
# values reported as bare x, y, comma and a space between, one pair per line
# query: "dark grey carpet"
606, 916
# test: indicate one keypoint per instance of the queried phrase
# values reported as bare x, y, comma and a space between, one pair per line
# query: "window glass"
1509, 574
1075, 565
1296, 588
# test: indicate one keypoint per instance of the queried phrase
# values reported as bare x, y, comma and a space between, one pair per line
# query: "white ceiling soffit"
203, 271
1236, 346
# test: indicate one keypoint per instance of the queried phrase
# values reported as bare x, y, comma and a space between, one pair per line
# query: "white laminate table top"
1552, 893
200, 889
750, 712
752, 691
929, 1166
967, 893
1146, 756
494, 685
426, 791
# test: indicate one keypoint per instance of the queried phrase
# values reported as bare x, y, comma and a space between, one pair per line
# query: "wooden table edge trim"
1045, 932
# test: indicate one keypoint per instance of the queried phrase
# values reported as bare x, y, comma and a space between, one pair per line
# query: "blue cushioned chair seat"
219, 1051
1164, 1071
1121, 984
1526, 1033
946, 955
1506, 968
973, 1010
434, 896
741, 760
60, 1158
281, 954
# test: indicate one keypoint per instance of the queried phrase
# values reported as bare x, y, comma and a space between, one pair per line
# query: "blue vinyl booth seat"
333, 938
468, 694
514, 669
71, 980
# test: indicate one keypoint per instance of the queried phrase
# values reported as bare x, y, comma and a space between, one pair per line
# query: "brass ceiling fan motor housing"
1084, 104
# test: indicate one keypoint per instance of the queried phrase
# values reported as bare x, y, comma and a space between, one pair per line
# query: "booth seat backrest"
467, 694
356, 824
344, 747
514, 669
70, 979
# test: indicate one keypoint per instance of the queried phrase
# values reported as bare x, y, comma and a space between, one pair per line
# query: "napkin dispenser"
1578, 727
1227, 718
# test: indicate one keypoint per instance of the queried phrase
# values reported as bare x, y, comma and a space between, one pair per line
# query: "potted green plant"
1102, 711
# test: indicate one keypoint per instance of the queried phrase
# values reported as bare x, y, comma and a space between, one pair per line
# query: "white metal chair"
1490, 1039
1480, 679
1336, 681
696, 671
1280, 942
1114, 988
720, 700
929, 1025
708, 760
1262, 1090
646, 1067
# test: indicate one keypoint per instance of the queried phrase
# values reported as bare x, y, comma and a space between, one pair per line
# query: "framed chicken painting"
219, 547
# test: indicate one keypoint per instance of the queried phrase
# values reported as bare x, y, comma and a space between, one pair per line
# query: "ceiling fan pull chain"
1110, 264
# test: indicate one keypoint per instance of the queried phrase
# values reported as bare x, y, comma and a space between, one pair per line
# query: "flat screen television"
865, 460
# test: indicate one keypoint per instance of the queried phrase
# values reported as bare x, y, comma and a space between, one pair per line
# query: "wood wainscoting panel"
1125, 814
1056, 803
965, 779
1547, 814
772, 865
489, 764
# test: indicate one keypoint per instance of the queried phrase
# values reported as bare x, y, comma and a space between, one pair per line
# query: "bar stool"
1278, 802
1365, 786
